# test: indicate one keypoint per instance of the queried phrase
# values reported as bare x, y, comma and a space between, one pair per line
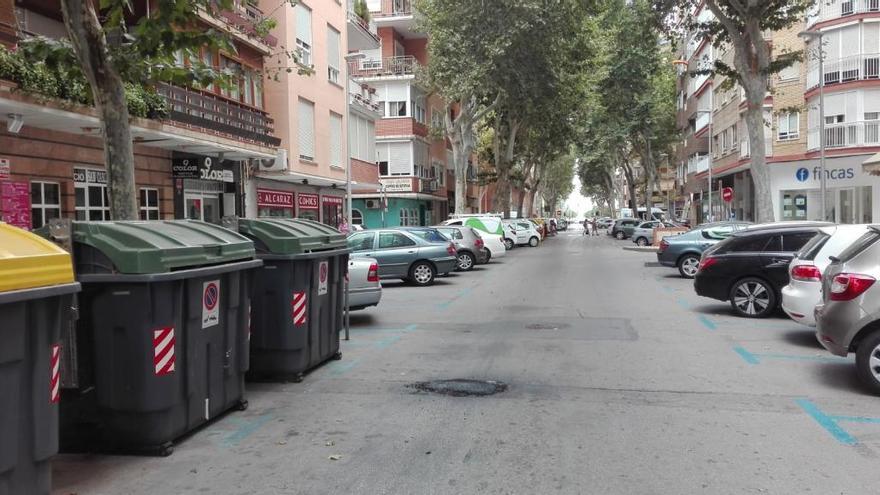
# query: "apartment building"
851, 44
193, 162
412, 158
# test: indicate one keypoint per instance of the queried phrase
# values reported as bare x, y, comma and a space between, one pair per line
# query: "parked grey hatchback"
684, 251
469, 245
848, 318
405, 255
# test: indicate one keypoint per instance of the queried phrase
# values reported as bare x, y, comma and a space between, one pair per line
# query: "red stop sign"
727, 194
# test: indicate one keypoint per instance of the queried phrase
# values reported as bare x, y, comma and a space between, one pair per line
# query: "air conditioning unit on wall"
277, 164
373, 204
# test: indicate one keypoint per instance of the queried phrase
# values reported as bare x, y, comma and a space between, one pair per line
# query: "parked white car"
365, 289
488, 228
526, 232
804, 290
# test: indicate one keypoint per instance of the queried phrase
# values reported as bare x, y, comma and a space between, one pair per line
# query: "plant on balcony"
361, 10
742, 24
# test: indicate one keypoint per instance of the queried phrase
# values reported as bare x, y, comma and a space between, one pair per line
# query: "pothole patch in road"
547, 326
653, 264
460, 387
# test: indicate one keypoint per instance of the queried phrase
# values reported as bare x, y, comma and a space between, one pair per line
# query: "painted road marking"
683, 303
831, 423
707, 322
246, 428
756, 357
463, 292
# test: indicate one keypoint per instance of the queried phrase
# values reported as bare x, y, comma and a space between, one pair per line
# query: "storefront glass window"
45, 203
149, 203
842, 205
91, 202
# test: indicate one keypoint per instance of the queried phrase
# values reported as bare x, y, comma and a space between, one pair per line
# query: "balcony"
860, 67
403, 66
399, 15
846, 135
429, 186
394, 8
827, 10
361, 34
241, 22
400, 126
197, 109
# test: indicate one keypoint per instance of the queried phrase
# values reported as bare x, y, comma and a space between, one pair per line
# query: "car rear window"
794, 241
745, 244
718, 233
861, 244
811, 249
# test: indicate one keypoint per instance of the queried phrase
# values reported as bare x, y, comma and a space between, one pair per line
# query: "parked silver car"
469, 245
364, 286
403, 254
848, 319
643, 235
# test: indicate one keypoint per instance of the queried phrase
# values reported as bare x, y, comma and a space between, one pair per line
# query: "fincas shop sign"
203, 168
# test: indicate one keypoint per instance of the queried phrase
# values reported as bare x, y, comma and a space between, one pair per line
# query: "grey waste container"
162, 338
298, 296
36, 297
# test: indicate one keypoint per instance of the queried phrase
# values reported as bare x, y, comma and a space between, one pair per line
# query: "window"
357, 218
437, 119
396, 109
149, 203
790, 73
92, 202
45, 203
335, 140
789, 126
333, 54
391, 240
232, 91
796, 240
432, 235
258, 91
306, 130
748, 243
362, 241
304, 34
833, 119
248, 84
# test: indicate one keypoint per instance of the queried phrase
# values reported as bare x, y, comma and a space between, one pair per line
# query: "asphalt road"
621, 381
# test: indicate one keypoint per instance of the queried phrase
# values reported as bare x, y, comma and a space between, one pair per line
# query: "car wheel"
508, 244
868, 362
533, 242
641, 241
753, 298
620, 235
688, 265
422, 273
465, 261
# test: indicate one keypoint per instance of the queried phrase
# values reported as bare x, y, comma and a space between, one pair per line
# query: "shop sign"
803, 174
89, 176
15, 203
5, 168
307, 201
396, 185
331, 200
203, 168
274, 199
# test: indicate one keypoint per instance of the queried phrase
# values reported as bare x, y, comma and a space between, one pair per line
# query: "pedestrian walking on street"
586, 226
594, 226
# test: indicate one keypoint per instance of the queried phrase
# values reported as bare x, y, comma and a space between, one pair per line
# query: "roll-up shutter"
306, 130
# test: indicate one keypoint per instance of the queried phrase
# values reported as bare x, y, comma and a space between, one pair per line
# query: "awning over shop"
872, 165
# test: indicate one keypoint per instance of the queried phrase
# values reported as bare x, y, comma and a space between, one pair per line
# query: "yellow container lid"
28, 261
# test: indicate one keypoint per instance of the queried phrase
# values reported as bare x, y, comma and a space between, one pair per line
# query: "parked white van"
490, 229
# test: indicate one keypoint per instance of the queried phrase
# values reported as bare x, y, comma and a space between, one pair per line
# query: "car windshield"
809, 251
717, 233
430, 235
862, 243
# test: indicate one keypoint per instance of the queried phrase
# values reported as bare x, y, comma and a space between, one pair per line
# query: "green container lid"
160, 246
277, 235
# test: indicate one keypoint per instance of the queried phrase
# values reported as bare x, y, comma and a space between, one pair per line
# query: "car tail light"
848, 286
373, 273
451, 249
479, 244
663, 245
706, 263
806, 273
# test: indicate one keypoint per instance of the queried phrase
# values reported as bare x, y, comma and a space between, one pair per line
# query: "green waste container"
298, 296
162, 338
36, 299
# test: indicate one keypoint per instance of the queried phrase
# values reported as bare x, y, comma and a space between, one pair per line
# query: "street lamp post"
346, 123
711, 160
819, 36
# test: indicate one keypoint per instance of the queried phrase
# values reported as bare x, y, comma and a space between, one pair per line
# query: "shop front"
332, 210
205, 188
849, 194
274, 203
307, 206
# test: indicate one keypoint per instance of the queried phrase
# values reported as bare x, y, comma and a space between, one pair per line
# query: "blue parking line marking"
746, 355
857, 419
387, 342
683, 303
667, 289
246, 429
463, 292
827, 422
708, 323
342, 367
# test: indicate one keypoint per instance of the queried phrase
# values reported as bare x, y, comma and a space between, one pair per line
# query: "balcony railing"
846, 134
198, 109
395, 8
244, 17
826, 10
854, 68
428, 185
406, 65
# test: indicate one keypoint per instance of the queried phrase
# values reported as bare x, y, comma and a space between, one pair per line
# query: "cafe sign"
89, 176
202, 168
270, 198
307, 201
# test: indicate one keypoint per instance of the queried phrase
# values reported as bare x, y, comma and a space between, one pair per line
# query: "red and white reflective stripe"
299, 308
163, 351
55, 375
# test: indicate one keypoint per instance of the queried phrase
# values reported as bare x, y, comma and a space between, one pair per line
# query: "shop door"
847, 205
204, 207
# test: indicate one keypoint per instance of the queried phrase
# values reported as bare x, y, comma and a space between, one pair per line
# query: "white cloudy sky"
576, 202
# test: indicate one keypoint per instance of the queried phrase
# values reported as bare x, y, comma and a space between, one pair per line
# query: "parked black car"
750, 268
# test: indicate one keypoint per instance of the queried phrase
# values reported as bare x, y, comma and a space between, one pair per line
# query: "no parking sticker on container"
211, 304
323, 269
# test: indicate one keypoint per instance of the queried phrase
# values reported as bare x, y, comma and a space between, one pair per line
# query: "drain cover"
547, 326
461, 388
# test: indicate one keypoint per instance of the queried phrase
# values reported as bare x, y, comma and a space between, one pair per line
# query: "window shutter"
400, 159
371, 140
335, 140
306, 130
333, 43
362, 146
382, 152
303, 23
353, 137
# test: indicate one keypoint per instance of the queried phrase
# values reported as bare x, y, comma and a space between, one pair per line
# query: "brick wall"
400, 127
